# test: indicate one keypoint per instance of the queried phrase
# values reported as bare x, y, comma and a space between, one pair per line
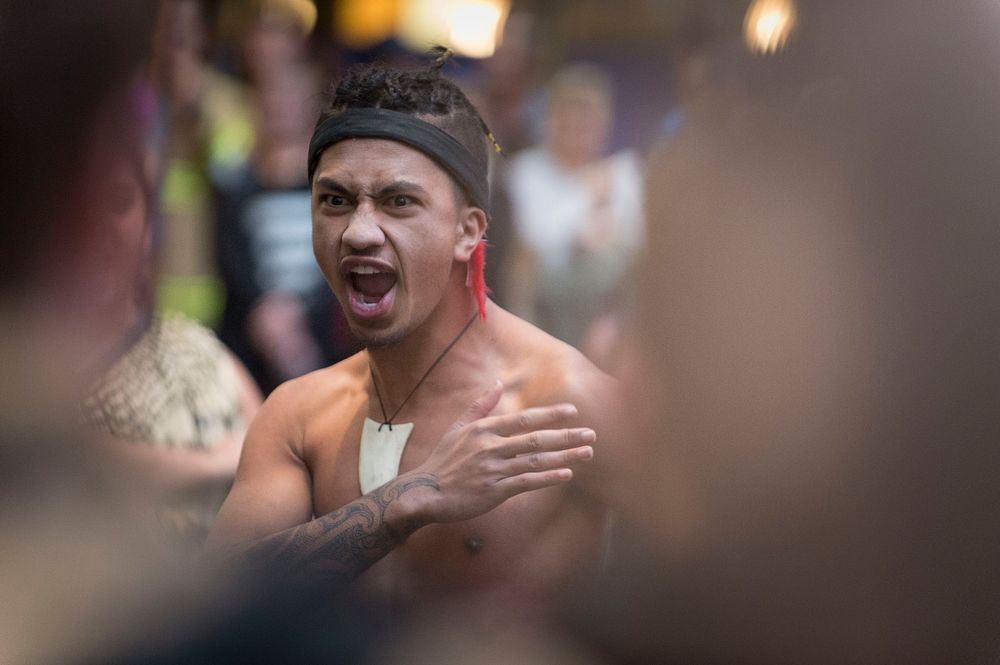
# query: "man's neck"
467, 366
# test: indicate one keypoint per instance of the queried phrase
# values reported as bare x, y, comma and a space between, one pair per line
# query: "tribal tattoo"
338, 547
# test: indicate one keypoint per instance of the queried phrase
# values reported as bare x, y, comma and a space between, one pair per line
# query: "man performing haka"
398, 165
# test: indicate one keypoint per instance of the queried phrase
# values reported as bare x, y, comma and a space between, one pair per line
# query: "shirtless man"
399, 213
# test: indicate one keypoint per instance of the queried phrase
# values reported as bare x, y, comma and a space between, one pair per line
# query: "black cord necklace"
381, 404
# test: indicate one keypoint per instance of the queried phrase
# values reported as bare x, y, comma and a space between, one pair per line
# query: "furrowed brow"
400, 187
331, 185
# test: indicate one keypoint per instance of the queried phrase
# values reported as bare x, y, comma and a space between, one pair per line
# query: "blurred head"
287, 106
59, 130
184, 27
275, 38
63, 188
180, 42
578, 119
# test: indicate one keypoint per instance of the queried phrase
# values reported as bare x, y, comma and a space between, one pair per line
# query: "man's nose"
363, 230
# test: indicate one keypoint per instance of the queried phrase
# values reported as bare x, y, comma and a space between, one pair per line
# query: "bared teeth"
365, 270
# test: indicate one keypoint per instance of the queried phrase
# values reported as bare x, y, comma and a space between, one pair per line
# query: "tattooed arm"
341, 545
479, 464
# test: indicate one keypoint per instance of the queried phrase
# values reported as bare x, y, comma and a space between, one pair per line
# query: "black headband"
433, 141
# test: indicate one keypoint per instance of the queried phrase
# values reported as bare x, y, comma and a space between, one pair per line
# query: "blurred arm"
179, 470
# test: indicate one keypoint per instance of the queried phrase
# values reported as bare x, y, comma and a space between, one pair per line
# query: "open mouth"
371, 290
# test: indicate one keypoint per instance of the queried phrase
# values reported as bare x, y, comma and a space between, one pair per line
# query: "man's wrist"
410, 498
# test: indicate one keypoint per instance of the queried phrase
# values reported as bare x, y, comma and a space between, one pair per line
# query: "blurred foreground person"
819, 334
398, 164
82, 571
577, 212
175, 404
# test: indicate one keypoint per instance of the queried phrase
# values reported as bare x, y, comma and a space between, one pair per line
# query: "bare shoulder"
273, 486
296, 404
320, 386
545, 370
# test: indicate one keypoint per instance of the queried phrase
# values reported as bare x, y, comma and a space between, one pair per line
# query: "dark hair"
424, 93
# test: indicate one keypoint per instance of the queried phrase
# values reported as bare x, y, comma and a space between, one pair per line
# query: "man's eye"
335, 200
401, 201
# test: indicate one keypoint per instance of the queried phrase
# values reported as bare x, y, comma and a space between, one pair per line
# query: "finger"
545, 440
526, 482
529, 419
481, 408
546, 461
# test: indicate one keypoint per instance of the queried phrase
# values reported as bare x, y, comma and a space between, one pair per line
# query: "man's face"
385, 228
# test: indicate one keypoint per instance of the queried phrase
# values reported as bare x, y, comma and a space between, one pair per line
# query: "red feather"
477, 277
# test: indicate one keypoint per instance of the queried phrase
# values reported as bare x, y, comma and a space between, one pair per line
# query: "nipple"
474, 545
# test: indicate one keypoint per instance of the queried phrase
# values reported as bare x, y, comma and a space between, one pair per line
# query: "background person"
175, 404
577, 213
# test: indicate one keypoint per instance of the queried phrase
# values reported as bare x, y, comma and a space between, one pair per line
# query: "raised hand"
483, 461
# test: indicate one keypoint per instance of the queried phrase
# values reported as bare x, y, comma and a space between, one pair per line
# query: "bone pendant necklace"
382, 443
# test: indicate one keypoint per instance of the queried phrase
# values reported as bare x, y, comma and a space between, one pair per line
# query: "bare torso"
519, 555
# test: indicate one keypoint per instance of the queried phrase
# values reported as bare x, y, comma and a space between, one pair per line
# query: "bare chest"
528, 546
333, 455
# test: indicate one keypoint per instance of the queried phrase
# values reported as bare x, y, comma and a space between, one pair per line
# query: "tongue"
373, 287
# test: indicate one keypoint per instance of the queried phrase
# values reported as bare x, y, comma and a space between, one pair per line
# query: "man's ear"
469, 231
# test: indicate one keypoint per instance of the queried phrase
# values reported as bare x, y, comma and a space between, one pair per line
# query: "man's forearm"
341, 545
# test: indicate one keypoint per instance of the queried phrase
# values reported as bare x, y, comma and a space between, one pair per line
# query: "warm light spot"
469, 27
474, 28
361, 24
768, 24
422, 23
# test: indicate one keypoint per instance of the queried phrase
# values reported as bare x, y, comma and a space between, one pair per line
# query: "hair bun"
442, 56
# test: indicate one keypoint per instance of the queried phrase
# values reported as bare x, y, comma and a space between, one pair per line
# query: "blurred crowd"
789, 259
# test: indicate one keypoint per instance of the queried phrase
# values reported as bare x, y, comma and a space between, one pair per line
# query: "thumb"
481, 408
